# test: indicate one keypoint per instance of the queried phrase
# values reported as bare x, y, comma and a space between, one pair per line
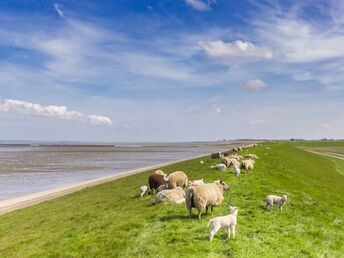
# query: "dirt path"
32, 199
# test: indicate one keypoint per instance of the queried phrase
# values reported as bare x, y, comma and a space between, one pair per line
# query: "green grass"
111, 221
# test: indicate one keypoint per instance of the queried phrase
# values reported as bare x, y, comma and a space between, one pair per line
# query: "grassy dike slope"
110, 220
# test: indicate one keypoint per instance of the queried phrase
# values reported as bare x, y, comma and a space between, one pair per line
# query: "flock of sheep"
176, 188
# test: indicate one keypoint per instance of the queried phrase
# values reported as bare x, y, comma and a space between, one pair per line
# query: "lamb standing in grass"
220, 167
247, 164
205, 196
274, 199
228, 222
236, 169
176, 195
143, 190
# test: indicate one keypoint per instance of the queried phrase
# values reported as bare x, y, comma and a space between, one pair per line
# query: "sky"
173, 70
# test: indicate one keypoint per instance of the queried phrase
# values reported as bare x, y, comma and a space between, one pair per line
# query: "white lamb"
274, 199
236, 169
196, 182
228, 222
143, 190
220, 167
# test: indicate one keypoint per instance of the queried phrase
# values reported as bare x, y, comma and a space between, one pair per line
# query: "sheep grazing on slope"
177, 178
155, 180
274, 199
196, 182
252, 156
240, 148
247, 164
220, 167
143, 190
228, 222
235, 149
176, 195
205, 196
236, 170
216, 155
236, 156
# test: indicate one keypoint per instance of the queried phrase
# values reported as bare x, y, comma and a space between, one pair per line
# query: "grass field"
111, 221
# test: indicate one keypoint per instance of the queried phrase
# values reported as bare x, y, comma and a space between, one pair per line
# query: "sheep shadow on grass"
175, 217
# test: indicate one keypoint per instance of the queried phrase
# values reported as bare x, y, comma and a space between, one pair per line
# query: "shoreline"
28, 200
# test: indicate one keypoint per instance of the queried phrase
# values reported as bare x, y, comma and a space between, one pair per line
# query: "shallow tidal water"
31, 168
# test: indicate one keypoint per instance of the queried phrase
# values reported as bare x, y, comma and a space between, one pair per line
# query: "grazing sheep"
177, 178
236, 169
155, 180
216, 155
220, 167
161, 188
196, 182
228, 222
143, 190
201, 162
247, 164
236, 156
235, 149
274, 199
252, 156
176, 195
205, 196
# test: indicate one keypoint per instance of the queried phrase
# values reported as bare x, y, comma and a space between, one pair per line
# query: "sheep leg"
211, 208
212, 233
199, 214
206, 210
233, 230
229, 232
190, 213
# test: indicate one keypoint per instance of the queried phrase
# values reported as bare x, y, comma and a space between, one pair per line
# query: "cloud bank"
60, 112
254, 84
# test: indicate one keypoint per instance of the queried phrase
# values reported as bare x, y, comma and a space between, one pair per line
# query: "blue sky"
175, 70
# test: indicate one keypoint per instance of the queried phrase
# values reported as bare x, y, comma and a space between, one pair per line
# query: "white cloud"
199, 4
327, 126
58, 10
258, 121
61, 112
254, 84
217, 109
99, 120
227, 52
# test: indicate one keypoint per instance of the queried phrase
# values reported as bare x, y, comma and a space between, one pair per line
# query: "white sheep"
201, 162
228, 222
143, 190
177, 178
196, 182
274, 199
247, 164
176, 195
236, 169
205, 196
252, 156
220, 167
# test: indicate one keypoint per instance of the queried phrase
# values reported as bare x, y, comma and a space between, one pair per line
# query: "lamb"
176, 195
155, 180
220, 167
247, 164
236, 169
216, 155
252, 156
228, 222
196, 182
205, 196
177, 178
143, 190
274, 199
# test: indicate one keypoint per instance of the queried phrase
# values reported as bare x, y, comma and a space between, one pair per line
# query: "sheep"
236, 169
201, 162
229, 161
143, 190
247, 164
228, 222
196, 182
278, 200
155, 180
252, 156
205, 196
220, 167
236, 156
240, 148
177, 178
216, 155
176, 195
235, 149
